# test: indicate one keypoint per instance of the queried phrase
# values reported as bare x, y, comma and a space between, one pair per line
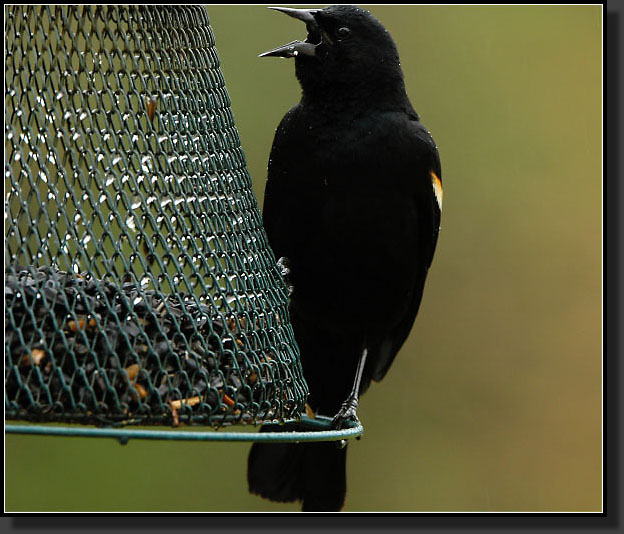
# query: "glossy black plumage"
351, 202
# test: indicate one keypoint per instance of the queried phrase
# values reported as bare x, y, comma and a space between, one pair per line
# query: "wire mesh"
139, 284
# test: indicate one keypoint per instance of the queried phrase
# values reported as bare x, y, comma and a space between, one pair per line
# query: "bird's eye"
343, 32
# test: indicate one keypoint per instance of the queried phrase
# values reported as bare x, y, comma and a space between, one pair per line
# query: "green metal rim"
320, 430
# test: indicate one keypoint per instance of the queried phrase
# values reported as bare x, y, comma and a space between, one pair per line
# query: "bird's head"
346, 47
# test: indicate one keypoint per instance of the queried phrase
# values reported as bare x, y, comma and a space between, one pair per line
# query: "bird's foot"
284, 266
347, 412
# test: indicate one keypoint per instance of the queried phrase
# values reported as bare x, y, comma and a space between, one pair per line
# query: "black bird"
352, 206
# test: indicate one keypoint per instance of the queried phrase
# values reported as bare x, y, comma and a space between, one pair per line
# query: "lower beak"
291, 50
295, 47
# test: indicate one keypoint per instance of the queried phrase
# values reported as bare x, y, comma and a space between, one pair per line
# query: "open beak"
295, 48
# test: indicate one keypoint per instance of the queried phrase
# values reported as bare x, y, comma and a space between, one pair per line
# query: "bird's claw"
347, 412
284, 266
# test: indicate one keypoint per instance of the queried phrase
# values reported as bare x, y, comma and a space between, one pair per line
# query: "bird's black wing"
428, 202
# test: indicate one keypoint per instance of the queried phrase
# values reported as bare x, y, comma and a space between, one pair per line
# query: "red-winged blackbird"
352, 203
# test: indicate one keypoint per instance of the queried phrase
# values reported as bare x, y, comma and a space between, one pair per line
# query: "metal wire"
319, 429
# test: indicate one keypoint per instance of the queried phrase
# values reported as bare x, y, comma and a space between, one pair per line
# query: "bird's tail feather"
314, 473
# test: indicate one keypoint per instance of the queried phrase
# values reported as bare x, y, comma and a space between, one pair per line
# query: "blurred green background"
494, 403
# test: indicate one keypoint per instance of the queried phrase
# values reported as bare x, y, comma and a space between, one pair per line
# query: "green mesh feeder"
140, 289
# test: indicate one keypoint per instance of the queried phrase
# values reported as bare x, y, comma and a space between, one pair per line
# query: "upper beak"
306, 15
295, 48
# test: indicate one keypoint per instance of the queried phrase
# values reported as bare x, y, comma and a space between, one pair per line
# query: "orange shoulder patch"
437, 188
